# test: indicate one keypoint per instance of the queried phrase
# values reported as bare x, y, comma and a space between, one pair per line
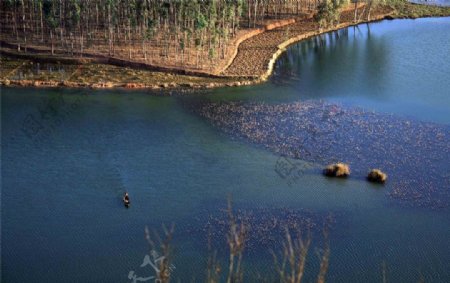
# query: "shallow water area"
326, 133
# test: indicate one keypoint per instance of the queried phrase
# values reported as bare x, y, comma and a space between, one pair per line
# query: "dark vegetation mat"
414, 154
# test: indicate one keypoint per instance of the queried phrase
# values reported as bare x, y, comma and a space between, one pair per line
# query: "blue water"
398, 67
68, 155
432, 2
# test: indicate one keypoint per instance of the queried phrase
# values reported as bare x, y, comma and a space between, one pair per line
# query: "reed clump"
377, 176
340, 170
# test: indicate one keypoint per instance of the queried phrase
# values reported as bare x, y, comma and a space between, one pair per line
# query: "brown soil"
27, 73
41, 52
249, 59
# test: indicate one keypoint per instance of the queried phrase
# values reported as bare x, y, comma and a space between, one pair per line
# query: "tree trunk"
369, 10
51, 38
356, 11
42, 22
24, 26
144, 50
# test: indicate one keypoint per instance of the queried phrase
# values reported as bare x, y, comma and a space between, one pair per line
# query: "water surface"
432, 2
68, 155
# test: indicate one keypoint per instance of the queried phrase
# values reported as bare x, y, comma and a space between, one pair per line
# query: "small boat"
126, 200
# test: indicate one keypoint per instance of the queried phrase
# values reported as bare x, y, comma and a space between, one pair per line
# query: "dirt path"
255, 53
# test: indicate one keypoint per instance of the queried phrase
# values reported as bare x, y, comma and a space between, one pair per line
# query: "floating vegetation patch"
414, 154
265, 227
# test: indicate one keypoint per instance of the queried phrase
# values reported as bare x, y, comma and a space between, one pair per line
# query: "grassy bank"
28, 73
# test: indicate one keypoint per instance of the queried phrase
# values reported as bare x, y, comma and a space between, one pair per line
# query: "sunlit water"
66, 160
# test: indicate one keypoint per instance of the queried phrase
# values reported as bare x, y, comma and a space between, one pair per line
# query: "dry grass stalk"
236, 242
294, 254
165, 248
324, 258
383, 266
213, 271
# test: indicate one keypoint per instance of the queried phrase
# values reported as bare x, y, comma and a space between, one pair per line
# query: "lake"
373, 96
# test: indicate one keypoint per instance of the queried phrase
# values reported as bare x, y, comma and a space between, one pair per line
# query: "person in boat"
126, 198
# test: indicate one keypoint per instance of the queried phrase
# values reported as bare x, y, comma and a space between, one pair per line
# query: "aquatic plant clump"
377, 176
341, 170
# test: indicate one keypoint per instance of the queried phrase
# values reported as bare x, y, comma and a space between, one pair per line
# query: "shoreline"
283, 46
209, 81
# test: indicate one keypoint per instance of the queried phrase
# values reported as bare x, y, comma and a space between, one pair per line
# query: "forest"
184, 33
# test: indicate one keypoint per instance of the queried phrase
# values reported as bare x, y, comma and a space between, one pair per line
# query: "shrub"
376, 176
337, 170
